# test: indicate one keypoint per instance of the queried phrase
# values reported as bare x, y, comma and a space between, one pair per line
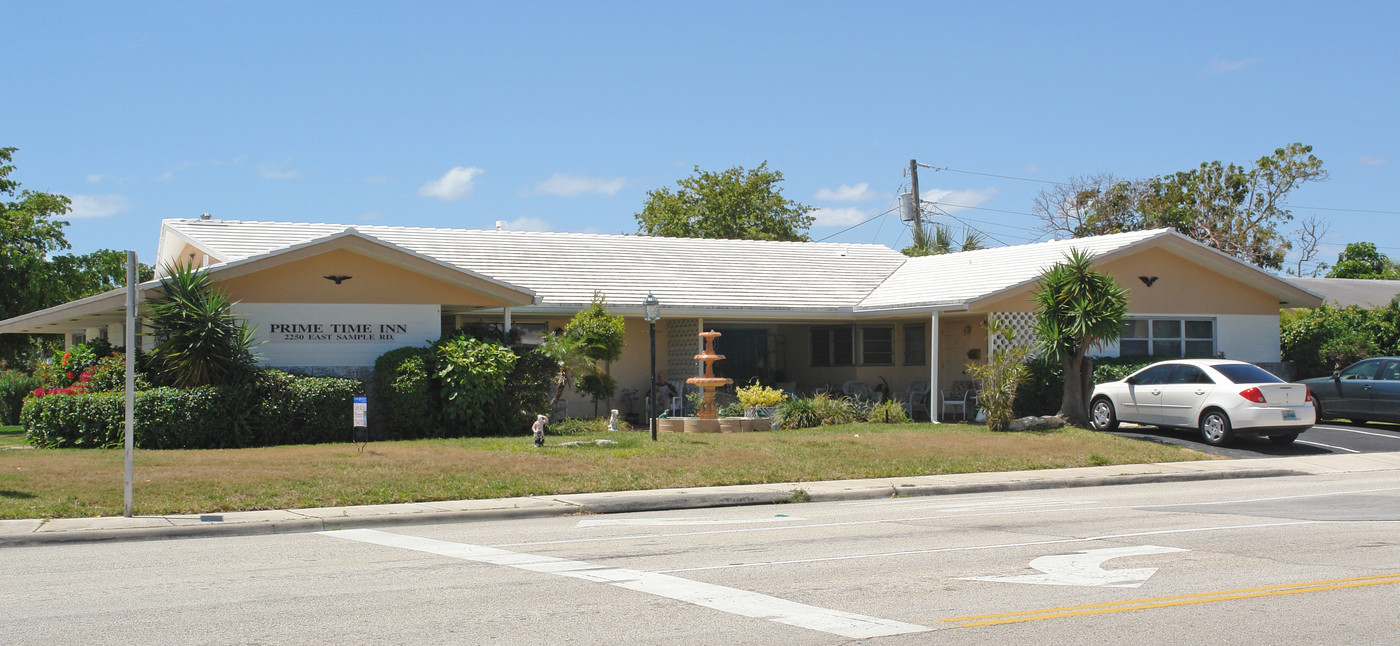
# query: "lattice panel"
683, 344
1023, 327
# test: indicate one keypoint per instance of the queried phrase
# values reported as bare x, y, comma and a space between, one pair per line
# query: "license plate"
1290, 414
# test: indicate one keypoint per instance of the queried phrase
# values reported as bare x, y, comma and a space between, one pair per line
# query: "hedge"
405, 397
272, 408
14, 387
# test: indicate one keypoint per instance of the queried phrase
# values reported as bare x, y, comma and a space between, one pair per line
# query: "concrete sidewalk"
244, 523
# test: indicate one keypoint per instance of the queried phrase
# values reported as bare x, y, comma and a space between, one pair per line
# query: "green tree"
1079, 307
202, 342
33, 277
602, 336
733, 204
1235, 209
29, 231
938, 240
1363, 260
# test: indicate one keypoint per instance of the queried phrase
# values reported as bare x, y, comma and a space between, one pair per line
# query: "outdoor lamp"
652, 309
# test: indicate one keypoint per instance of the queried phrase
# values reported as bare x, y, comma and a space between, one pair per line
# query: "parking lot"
1330, 437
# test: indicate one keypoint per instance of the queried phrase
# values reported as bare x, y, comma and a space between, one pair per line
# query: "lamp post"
652, 308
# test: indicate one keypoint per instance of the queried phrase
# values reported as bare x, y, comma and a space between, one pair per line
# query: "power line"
1324, 208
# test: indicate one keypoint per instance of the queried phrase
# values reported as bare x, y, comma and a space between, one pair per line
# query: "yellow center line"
1179, 600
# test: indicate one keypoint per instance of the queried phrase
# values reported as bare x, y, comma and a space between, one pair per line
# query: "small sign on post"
361, 419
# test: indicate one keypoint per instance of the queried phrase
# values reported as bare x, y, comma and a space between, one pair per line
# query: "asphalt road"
1330, 437
1306, 559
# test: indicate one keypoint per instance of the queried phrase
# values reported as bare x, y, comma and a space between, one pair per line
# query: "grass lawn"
59, 483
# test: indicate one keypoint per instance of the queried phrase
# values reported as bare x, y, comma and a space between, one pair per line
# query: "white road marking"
1352, 430
681, 522
1085, 568
994, 546
1327, 446
731, 600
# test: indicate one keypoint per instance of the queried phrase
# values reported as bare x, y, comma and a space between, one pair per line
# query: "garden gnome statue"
612, 421
538, 429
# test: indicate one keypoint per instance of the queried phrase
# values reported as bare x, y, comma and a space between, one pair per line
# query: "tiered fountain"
706, 420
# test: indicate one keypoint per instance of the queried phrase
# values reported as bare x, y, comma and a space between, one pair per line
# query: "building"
330, 298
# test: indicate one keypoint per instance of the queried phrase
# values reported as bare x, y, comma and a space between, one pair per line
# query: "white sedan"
1224, 399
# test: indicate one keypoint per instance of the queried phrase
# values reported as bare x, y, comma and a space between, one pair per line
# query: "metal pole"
914, 183
130, 377
651, 410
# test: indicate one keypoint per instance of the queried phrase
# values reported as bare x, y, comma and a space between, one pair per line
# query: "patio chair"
861, 391
958, 398
916, 398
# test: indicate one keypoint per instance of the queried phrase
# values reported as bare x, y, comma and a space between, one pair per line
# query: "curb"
619, 502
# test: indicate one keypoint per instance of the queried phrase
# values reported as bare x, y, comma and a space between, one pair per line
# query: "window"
531, 334
1190, 375
80, 337
914, 345
833, 346
1154, 376
1167, 337
877, 346
1246, 373
1363, 370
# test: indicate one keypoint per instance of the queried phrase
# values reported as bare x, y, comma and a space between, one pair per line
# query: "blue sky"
561, 116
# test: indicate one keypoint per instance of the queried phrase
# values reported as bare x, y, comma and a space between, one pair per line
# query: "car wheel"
1283, 439
1215, 428
1102, 416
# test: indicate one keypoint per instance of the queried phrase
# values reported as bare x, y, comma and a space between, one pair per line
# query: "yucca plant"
202, 342
999, 378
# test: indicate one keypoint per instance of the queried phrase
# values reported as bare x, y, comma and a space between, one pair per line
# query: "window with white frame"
877, 346
833, 346
1144, 337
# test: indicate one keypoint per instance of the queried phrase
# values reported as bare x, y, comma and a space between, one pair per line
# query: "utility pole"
914, 182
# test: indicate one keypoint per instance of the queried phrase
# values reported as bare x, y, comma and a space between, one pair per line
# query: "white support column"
934, 404
508, 325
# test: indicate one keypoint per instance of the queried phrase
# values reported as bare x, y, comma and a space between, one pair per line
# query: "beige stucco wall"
1181, 287
303, 281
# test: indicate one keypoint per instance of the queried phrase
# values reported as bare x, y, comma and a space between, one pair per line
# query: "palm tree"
939, 240
202, 342
1080, 307
571, 357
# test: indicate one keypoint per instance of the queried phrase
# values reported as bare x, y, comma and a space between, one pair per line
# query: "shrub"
888, 412
732, 409
833, 410
1324, 339
999, 378
796, 413
405, 401
109, 375
271, 408
472, 375
14, 387
755, 394
584, 426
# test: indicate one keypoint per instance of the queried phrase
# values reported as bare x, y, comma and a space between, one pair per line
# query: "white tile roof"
959, 278
564, 269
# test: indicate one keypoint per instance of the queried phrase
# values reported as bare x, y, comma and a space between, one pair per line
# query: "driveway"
1331, 437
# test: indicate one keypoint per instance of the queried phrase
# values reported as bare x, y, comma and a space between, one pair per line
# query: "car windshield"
1244, 373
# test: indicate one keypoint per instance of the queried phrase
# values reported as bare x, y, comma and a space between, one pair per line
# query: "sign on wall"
324, 334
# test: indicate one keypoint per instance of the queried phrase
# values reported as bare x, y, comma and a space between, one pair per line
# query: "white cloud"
842, 217
276, 170
377, 179
564, 185
1373, 161
98, 206
859, 193
1217, 66
952, 201
455, 185
527, 223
